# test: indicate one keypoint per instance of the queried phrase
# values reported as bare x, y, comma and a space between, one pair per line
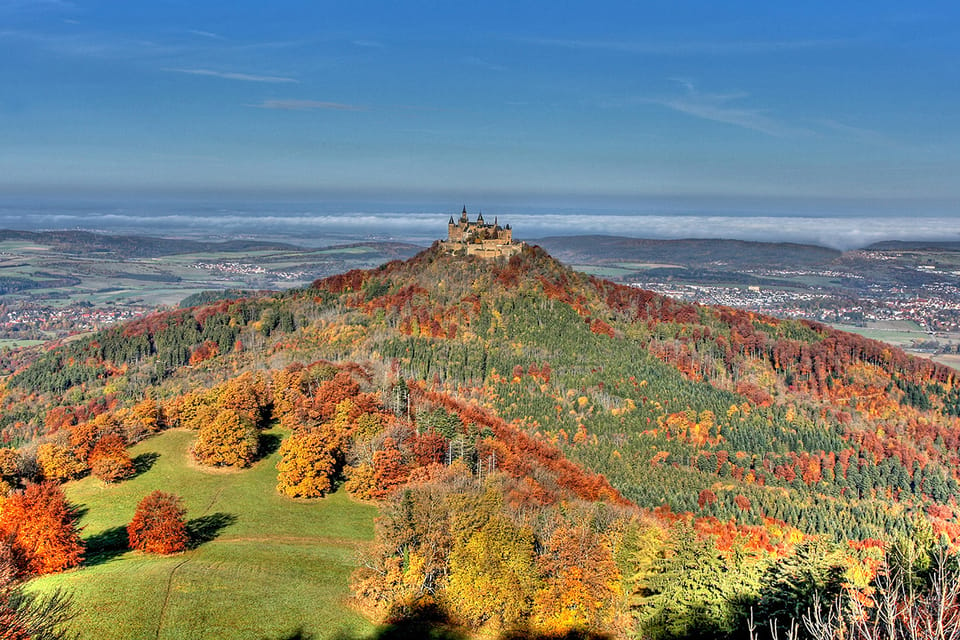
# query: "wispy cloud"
230, 75
206, 34
725, 108
861, 134
696, 47
307, 105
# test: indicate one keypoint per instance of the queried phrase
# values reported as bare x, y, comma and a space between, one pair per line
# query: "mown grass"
264, 566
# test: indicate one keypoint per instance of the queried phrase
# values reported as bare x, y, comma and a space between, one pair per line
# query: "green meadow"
262, 566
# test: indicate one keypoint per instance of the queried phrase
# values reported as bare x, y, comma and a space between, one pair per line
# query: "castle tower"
478, 238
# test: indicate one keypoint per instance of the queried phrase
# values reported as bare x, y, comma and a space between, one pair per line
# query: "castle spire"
480, 218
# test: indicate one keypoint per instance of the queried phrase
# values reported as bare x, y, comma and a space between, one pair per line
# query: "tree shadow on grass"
144, 462
105, 546
296, 634
268, 444
432, 622
207, 528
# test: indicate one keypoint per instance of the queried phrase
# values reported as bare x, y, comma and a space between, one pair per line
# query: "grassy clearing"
603, 271
897, 333
14, 343
270, 565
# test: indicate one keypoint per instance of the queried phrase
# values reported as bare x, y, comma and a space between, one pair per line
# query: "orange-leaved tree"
581, 581
158, 525
43, 529
306, 464
230, 440
109, 460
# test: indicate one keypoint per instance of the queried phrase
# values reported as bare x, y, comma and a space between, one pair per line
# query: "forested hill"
580, 421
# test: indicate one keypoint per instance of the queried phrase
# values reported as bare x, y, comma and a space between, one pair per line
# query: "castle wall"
479, 239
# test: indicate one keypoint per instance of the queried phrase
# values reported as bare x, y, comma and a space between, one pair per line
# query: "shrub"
158, 525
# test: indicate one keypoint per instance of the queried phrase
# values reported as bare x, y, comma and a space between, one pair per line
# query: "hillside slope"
254, 543
740, 437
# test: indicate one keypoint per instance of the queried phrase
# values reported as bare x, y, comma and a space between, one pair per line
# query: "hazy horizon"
317, 222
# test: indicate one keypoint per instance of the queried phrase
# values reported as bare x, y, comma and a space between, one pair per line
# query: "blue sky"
600, 103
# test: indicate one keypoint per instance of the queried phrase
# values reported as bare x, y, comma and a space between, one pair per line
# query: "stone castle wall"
479, 239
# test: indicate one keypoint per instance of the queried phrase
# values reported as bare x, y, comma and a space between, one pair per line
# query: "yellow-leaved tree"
306, 465
230, 440
493, 574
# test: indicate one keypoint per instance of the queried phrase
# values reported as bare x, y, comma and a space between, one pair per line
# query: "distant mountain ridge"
736, 253
914, 245
71, 241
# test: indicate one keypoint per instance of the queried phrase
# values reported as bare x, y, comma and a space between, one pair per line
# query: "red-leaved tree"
158, 525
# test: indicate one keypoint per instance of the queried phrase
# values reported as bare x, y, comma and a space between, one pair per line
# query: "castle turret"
478, 238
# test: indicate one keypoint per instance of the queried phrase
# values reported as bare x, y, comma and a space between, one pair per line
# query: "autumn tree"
581, 581
10, 464
58, 463
306, 465
247, 394
109, 460
493, 576
230, 440
26, 615
389, 472
145, 417
158, 525
43, 529
192, 410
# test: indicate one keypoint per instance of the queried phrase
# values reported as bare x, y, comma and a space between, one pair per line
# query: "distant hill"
734, 254
913, 245
135, 246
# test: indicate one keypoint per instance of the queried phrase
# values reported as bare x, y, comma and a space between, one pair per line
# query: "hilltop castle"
479, 238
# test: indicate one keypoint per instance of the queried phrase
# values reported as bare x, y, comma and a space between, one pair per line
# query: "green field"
898, 333
269, 567
15, 343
